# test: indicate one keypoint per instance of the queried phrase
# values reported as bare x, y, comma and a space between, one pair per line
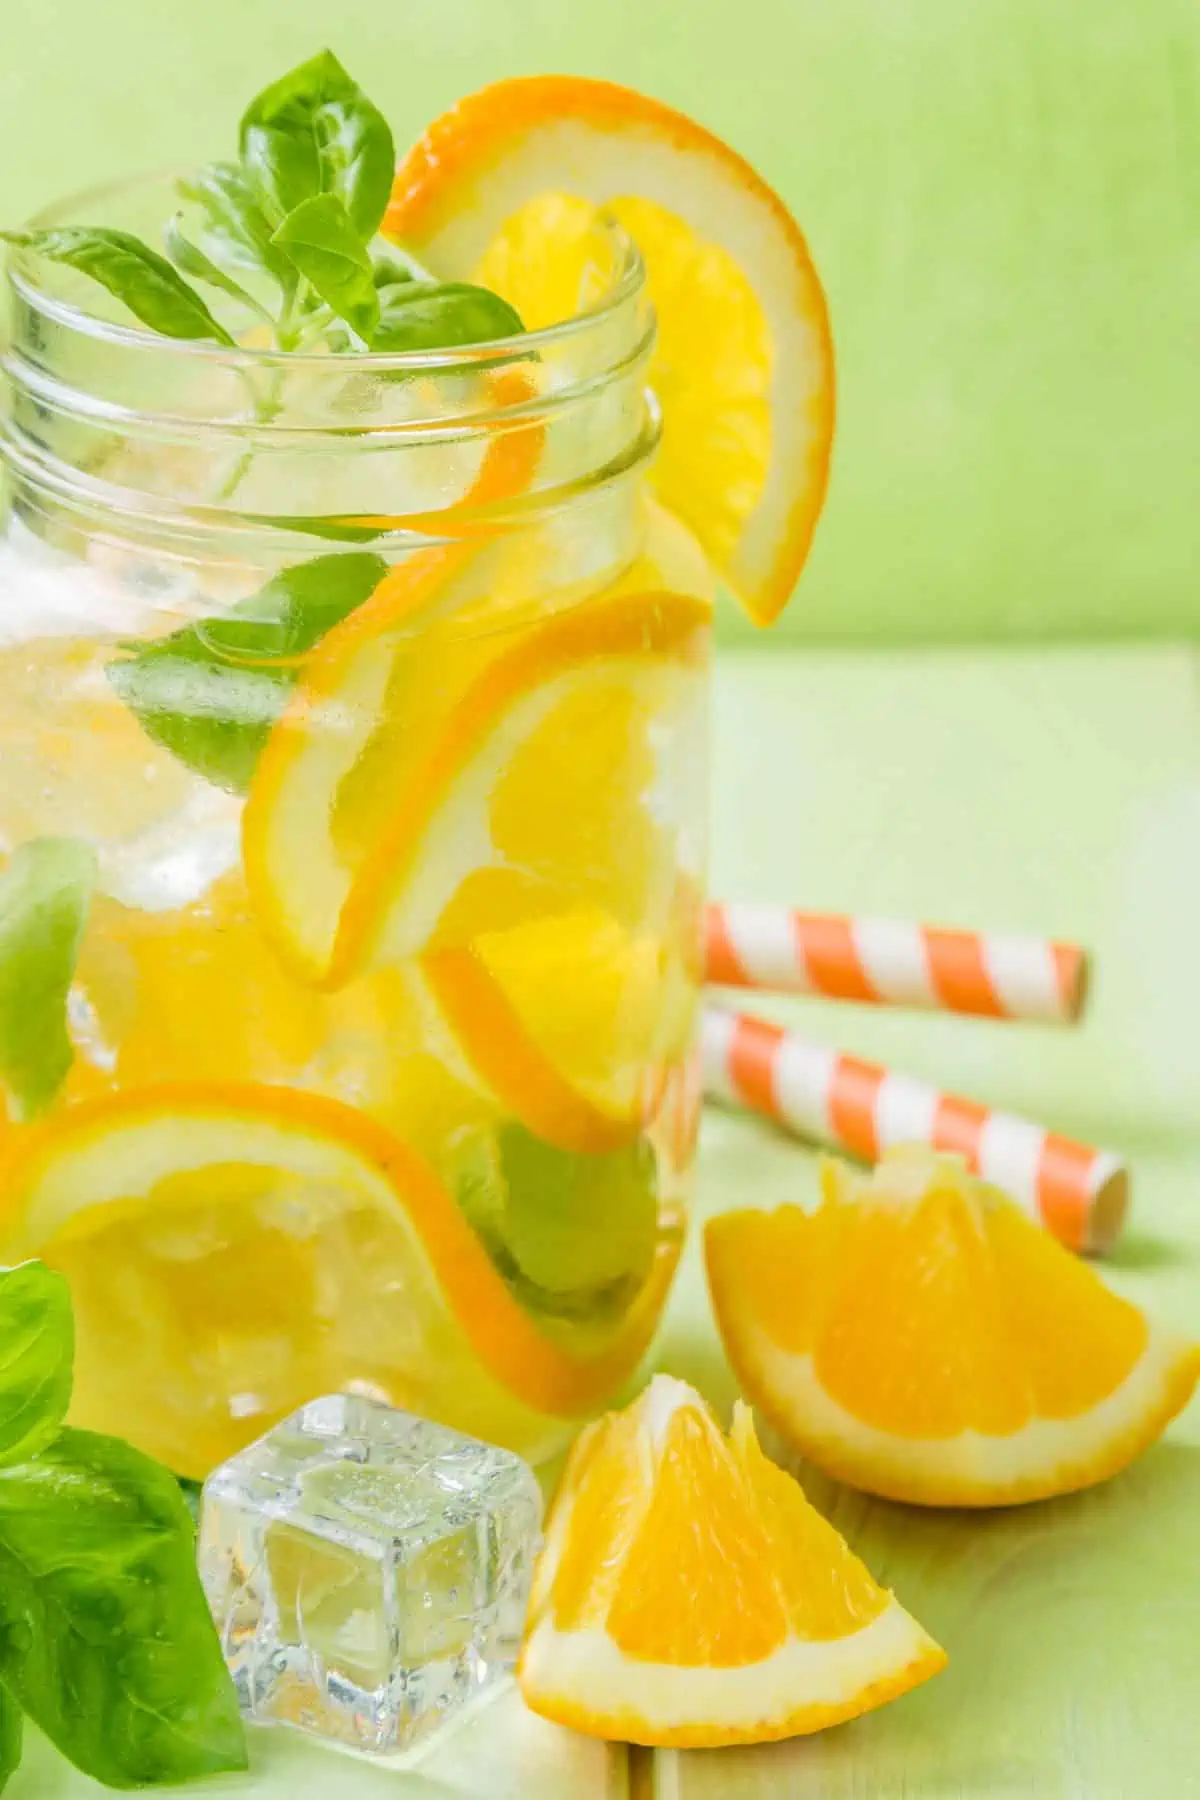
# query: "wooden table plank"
504, 1753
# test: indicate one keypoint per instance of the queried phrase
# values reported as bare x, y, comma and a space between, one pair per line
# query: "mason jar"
352, 817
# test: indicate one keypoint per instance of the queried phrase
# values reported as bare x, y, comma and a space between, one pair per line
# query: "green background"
1003, 196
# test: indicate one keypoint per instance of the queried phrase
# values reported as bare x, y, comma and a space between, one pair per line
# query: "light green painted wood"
1003, 195
1034, 789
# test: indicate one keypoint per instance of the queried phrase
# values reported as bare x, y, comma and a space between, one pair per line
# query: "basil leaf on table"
45, 892
211, 692
441, 315
315, 132
320, 238
105, 1636
236, 230
37, 1343
139, 277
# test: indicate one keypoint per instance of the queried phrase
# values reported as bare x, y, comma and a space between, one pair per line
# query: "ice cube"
368, 1572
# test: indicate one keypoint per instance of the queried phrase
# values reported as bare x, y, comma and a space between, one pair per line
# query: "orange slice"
569, 1017
508, 186
233, 1250
918, 1337
689, 1594
374, 797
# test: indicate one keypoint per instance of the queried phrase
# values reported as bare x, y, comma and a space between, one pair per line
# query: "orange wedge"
688, 1593
233, 1250
388, 776
918, 1337
510, 187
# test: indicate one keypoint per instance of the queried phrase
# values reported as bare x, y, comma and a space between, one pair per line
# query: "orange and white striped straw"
1078, 1193
891, 962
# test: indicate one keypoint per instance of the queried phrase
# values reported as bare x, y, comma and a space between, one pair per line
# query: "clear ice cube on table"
368, 1572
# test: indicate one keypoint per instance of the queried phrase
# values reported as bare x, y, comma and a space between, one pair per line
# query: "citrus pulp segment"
918, 1337
688, 1594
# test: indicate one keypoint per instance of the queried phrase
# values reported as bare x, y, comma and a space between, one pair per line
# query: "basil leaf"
11, 1733
315, 132
538, 1211
45, 892
235, 227
335, 528
211, 692
320, 238
140, 278
439, 315
37, 1344
393, 266
105, 1637
191, 260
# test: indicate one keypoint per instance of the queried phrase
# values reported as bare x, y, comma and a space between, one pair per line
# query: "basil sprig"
288, 233
105, 1637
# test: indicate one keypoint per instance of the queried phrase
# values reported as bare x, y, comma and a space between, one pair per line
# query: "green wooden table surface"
1022, 789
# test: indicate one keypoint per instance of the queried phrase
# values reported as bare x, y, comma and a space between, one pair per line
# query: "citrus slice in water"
918, 1337
399, 770
234, 1250
509, 187
570, 1017
689, 1594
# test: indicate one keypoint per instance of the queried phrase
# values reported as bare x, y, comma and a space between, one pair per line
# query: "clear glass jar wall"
352, 809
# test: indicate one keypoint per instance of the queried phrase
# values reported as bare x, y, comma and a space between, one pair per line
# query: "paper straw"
1078, 1193
889, 962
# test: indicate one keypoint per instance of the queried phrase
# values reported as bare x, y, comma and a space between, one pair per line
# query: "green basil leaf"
335, 528
565, 1250
320, 238
105, 1636
235, 227
11, 1734
393, 266
45, 892
442, 315
211, 692
140, 278
37, 1343
315, 132
191, 260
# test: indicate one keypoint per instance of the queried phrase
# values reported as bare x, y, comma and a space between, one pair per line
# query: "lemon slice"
233, 1250
394, 775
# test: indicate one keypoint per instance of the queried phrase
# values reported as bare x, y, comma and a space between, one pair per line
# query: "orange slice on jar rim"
399, 769
235, 1249
509, 188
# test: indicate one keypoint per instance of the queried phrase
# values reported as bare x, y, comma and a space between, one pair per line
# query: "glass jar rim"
629, 281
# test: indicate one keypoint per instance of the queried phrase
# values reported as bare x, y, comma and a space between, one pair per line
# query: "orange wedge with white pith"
688, 1594
918, 1337
510, 187
235, 1249
381, 788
